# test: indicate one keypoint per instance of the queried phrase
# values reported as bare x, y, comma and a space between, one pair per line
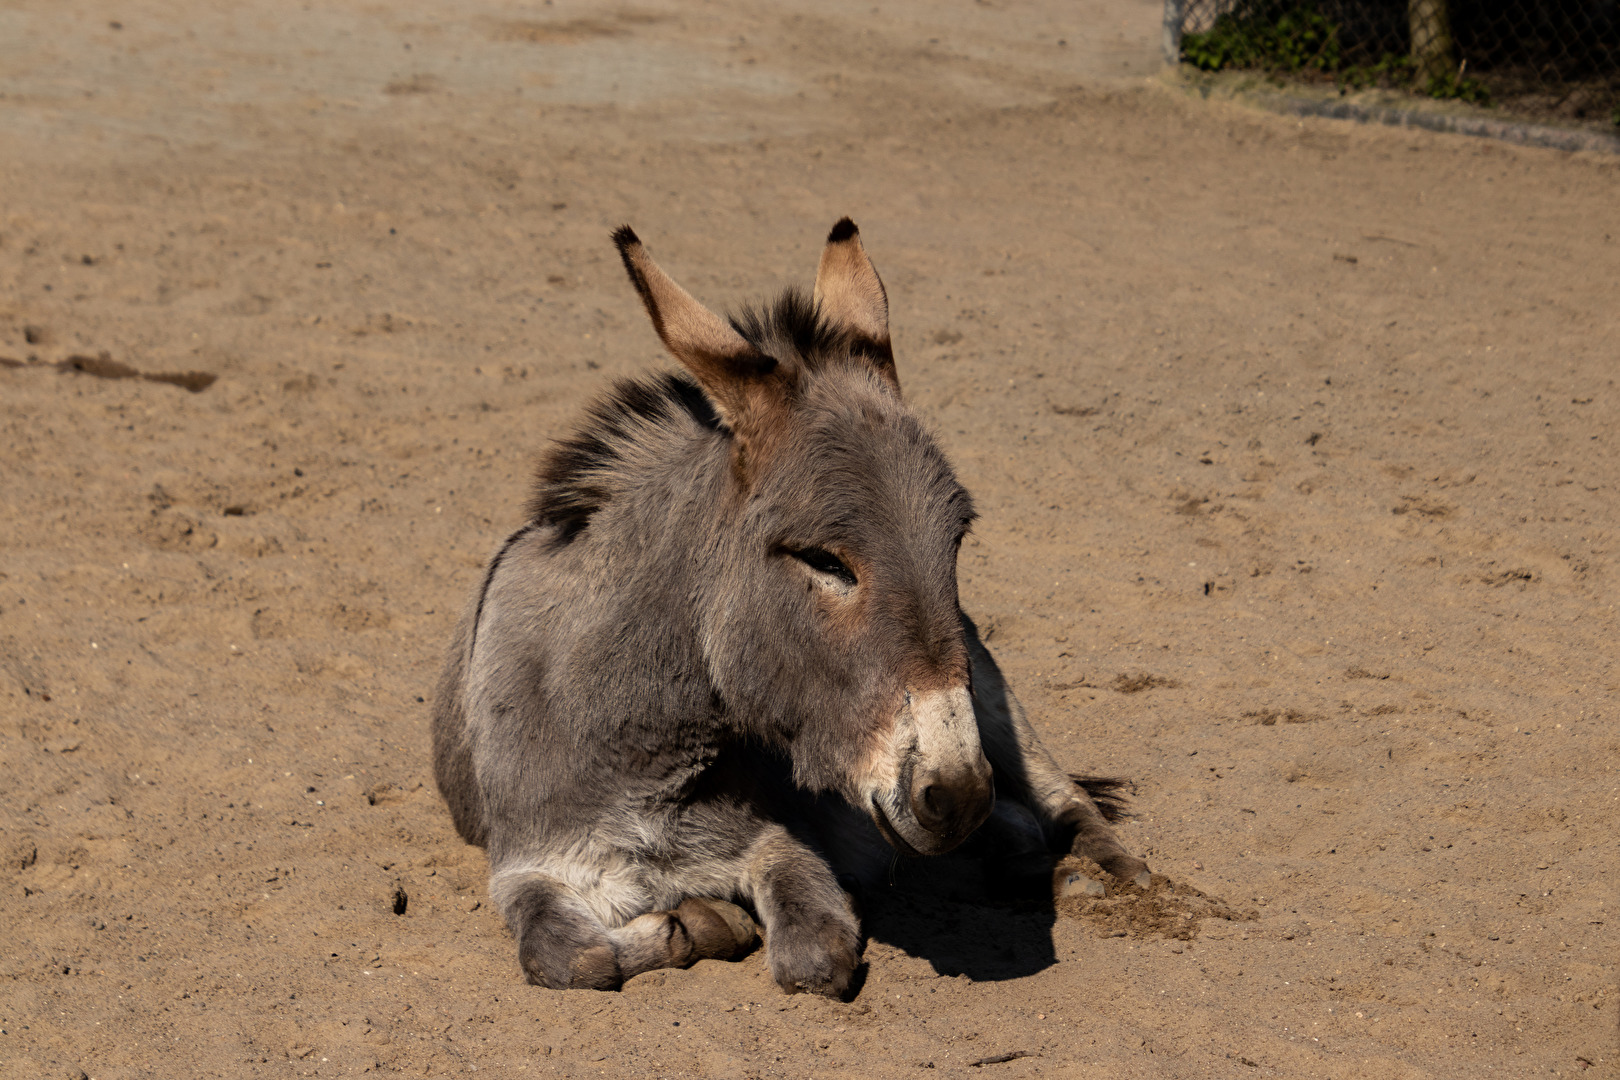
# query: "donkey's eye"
823, 561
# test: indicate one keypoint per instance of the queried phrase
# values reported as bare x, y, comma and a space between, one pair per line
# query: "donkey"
724, 663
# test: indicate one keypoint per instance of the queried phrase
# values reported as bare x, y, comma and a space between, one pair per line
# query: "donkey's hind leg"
1012, 851
562, 945
700, 929
1024, 769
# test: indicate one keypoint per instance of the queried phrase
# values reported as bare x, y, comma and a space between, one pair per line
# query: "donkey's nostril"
950, 804
933, 804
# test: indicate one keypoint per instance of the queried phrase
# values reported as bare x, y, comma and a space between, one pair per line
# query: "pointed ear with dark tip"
736, 376
851, 296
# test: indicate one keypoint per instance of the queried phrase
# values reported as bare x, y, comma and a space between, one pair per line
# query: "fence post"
1174, 14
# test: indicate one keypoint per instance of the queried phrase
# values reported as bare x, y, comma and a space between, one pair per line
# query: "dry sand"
1294, 442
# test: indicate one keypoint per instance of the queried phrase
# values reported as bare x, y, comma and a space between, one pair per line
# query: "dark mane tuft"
575, 478
792, 317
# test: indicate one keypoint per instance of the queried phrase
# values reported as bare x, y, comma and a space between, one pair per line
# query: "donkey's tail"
1109, 793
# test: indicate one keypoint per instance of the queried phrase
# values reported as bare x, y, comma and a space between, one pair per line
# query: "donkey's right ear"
850, 295
731, 371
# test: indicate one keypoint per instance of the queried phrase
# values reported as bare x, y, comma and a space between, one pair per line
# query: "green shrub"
1390, 70
1293, 36
1266, 35
1458, 87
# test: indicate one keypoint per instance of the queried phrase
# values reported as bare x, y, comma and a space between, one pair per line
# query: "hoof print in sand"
1271, 717
1164, 908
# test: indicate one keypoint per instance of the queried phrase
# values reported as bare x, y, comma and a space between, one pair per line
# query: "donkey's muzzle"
950, 803
944, 790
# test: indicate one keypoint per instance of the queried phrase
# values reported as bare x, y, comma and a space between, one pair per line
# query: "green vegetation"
1458, 87
1390, 70
1292, 37
1266, 35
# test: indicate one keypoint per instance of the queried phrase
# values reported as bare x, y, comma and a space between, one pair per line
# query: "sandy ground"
1311, 425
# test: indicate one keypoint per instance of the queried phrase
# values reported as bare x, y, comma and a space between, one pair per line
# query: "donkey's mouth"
890, 833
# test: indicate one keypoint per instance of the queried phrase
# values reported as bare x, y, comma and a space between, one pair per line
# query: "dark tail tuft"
624, 236
1108, 792
842, 231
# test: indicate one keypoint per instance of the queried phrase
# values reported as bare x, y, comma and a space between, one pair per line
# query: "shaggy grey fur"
724, 660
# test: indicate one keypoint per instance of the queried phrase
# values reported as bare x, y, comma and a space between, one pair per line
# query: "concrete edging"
1523, 134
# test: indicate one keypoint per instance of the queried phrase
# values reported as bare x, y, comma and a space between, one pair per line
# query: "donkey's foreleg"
1066, 811
812, 937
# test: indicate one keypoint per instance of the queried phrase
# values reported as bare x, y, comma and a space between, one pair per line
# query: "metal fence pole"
1174, 14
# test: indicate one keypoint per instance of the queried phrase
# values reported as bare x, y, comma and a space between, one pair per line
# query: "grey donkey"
723, 663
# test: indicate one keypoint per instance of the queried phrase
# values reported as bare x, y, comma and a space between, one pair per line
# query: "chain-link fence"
1543, 59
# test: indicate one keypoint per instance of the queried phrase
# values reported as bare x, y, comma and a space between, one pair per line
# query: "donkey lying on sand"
724, 660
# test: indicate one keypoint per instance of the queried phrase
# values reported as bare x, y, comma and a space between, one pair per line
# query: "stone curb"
1520, 133
1523, 134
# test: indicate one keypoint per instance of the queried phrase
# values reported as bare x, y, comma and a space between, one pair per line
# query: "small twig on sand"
999, 1058
1390, 239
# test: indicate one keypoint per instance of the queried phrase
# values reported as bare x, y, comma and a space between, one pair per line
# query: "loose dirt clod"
1270, 717
1165, 909
1135, 684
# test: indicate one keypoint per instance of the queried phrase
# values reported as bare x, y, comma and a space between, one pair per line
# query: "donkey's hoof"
559, 964
719, 930
1116, 860
1128, 868
596, 968
817, 962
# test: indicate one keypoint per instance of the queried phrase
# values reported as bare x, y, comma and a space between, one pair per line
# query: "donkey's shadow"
942, 911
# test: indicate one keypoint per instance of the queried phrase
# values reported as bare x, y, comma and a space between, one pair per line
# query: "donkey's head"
828, 609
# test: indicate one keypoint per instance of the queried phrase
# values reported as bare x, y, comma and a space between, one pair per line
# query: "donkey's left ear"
851, 297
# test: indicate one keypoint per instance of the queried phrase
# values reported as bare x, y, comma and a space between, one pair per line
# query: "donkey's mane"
577, 476
792, 318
